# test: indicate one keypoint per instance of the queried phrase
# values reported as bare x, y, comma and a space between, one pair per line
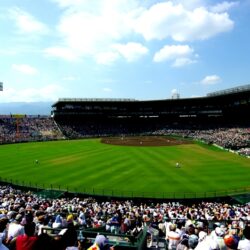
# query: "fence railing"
124, 193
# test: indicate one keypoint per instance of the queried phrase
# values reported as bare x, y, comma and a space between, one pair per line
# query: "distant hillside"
28, 108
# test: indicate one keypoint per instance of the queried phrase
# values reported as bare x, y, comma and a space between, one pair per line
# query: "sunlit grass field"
92, 167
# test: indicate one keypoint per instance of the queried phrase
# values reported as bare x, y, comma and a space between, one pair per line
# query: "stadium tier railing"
97, 192
121, 241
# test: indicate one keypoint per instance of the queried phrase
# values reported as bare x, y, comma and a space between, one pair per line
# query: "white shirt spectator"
244, 244
173, 237
14, 230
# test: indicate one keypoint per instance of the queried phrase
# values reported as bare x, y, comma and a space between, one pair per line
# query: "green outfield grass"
92, 167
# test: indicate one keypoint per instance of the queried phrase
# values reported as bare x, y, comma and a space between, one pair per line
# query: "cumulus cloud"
166, 19
170, 52
107, 58
190, 4
131, 51
27, 23
62, 52
179, 62
25, 69
180, 55
99, 29
88, 30
224, 6
210, 80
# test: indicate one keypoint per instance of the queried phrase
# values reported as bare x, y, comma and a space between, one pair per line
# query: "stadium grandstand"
71, 220
224, 108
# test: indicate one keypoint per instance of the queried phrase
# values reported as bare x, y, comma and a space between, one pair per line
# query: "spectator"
15, 229
192, 241
244, 244
3, 224
101, 243
28, 240
173, 237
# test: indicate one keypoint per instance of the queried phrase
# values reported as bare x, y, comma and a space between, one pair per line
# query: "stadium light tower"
175, 94
18, 118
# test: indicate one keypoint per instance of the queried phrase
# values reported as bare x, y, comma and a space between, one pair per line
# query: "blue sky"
137, 49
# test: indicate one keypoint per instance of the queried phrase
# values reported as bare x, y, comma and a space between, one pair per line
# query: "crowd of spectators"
229, 138
204, 225
28, 128
38, 128
99, 128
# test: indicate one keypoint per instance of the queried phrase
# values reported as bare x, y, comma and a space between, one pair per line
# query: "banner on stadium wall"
18, 116
1, 86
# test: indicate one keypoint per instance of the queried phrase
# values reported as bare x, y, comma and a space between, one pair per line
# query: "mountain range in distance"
27, 108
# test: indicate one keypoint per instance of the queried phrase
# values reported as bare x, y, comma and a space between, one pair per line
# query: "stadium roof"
96, 100
230, 91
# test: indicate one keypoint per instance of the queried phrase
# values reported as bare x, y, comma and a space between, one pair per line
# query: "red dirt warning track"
145, 141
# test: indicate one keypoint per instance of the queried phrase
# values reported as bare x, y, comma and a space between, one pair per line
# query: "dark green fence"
59, 189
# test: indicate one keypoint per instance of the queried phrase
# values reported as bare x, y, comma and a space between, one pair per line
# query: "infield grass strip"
87, 165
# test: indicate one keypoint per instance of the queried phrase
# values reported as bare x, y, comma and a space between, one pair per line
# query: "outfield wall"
114, 193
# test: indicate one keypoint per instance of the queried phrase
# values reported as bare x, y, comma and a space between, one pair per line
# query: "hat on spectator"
11, 214
3, 216
21, 210
18, 217
70, 218
219, 231
101, 241
172, 227
58, 222
231, 241
193, 241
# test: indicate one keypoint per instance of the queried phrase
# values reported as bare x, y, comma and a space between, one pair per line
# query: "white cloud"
99, 29
47, 93
166, 19
27, 23
224, 6
107, 58
180, 62
91, 30
107, 90
181, 55
169, 52
62, 52
210, 80
25, 69
131, 51
190, 4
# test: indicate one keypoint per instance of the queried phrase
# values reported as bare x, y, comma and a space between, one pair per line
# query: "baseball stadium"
172, 150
